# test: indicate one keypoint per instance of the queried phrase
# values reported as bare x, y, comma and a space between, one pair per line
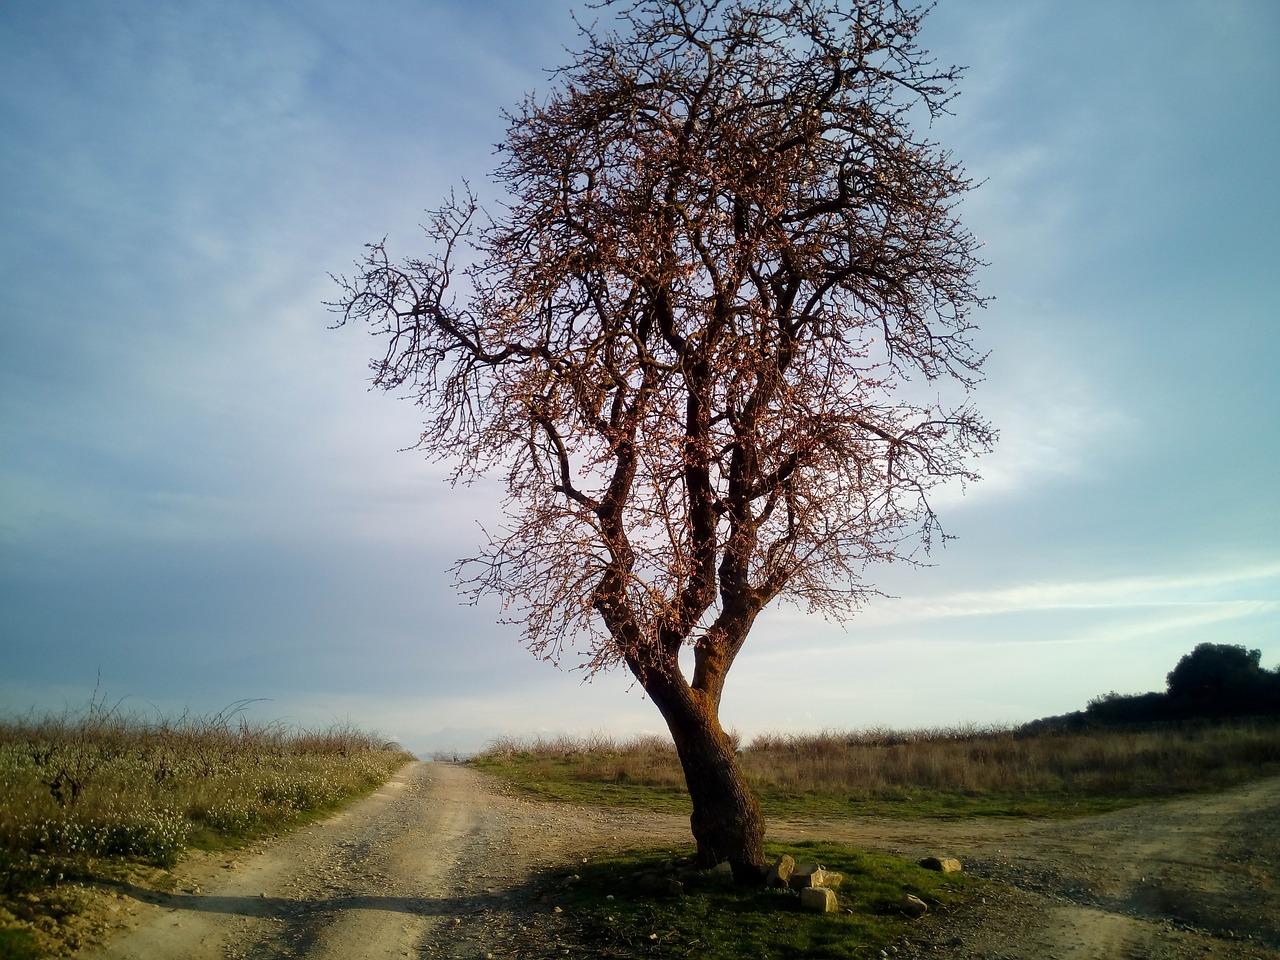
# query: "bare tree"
700, 342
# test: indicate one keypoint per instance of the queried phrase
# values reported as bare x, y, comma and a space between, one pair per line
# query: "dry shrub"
1005, 765
647, 759
101, 782
986, 760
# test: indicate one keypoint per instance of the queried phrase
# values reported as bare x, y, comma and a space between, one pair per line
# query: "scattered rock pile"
815, 884
672, 877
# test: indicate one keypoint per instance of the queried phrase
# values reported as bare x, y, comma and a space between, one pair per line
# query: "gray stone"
660, 883
943, 864
810, 874
652, 882
778, 874
722, 871
806, 875
818, 900
913, 906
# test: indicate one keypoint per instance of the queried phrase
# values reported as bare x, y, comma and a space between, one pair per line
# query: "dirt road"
440, 863
437, 863
1197, 877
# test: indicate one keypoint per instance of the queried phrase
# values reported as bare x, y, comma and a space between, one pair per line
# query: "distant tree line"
1213, 681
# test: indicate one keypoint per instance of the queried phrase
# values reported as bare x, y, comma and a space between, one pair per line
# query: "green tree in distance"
716, 340
1220, 679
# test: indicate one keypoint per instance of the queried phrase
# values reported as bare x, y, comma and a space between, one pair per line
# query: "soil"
444, 861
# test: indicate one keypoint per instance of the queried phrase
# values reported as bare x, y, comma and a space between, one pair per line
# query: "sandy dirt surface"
440, 862
444, 862
1195, 877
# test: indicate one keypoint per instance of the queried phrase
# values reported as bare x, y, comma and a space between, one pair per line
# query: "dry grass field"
100, 802
90, 794
959, 771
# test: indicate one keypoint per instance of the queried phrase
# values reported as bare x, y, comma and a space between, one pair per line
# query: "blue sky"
201, 503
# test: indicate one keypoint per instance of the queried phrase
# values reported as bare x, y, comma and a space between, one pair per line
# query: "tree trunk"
727, 821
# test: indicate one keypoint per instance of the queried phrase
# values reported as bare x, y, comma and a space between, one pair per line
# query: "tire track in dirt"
443, 861
313, 893
1192, 877
440, 862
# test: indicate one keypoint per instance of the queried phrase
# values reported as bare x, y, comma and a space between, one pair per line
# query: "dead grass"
957, 771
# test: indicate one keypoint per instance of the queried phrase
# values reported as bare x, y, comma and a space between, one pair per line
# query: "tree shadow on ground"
286, 907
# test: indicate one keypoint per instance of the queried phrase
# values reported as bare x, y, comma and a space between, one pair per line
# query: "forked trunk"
727, 821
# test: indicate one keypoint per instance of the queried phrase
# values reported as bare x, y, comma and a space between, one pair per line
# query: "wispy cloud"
188, 458
1245, 591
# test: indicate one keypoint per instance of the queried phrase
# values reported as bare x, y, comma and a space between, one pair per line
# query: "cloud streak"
1157, 590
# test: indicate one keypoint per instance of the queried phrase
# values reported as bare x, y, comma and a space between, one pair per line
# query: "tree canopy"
717, 339
1213, 681
1220, 679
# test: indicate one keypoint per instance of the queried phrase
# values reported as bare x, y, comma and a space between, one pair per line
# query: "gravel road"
438, 863
442, 862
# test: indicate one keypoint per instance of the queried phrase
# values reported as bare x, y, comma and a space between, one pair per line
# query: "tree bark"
727, 821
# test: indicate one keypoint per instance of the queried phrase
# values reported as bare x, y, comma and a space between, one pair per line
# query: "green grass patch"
716, 919
16, 944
